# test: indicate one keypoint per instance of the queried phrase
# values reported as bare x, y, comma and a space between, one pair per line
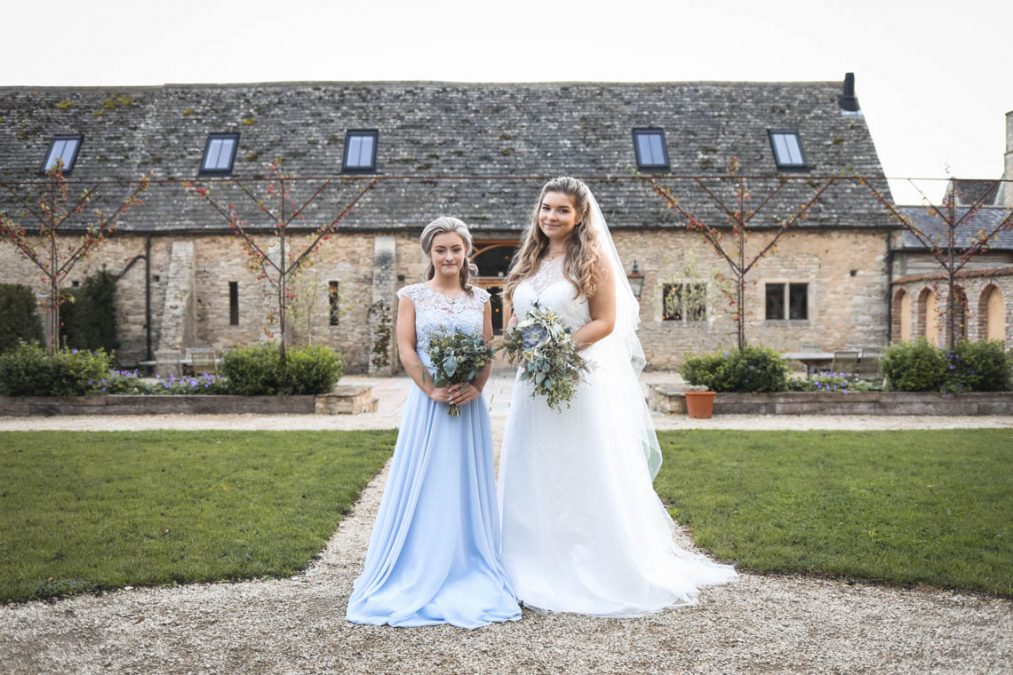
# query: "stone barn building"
479, 152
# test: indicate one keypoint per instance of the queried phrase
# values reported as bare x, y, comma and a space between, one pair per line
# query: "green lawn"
905, 507
82, 511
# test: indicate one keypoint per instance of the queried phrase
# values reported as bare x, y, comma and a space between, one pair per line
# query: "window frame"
351, 133
67, 166
233, 303
230, 135
334, 302
687, 315
637, 132
786, 287
803, 166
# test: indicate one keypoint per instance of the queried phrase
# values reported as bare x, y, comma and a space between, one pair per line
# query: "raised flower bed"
669, 398
344, 400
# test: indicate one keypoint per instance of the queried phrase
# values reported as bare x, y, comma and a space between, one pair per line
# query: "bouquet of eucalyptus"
544, 349
457, 358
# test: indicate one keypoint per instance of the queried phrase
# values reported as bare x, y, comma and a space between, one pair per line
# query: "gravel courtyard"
757, 624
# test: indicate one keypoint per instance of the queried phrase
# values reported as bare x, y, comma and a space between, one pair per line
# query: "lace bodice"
435, 311
550, 288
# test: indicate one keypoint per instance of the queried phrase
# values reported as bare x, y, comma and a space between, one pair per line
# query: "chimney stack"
847, 100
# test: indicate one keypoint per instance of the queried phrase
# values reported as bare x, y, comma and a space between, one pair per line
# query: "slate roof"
477, 151
984, 219
969, 191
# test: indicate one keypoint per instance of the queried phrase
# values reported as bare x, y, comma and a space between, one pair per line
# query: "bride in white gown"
583, 530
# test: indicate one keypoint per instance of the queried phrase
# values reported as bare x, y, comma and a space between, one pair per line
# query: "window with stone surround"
650, 148
233, 303
219, 154
63, 148
360, 151
685, 301
787, 147
332, 302
787, 301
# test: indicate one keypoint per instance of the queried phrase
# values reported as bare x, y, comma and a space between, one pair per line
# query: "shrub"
756, 369
703, 369
980, 366
312, 370
252, 370
28, 370
19, 317
914, 366
256, 370
89, 314
752, 369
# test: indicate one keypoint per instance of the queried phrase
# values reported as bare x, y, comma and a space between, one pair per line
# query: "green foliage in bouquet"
544, 349
457, 358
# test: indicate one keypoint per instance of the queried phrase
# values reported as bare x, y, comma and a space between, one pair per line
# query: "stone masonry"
178, 313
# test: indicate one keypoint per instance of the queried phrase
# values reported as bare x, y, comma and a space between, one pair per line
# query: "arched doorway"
928, 317
493, 259
902, 316
992, 314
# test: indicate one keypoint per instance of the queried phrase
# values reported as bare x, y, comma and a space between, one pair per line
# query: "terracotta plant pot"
699, 404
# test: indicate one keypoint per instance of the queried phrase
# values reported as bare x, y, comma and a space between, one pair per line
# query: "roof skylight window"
63, 148
219, 154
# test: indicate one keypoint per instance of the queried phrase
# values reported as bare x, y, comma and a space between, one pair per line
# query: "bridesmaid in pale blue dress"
434, 555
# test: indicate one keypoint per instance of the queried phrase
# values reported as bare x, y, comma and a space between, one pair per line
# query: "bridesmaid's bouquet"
544, 349
457, 358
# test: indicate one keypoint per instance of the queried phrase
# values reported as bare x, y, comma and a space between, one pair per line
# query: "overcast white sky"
934, 78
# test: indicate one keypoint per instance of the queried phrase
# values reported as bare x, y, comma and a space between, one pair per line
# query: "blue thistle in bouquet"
457, 358
545, 351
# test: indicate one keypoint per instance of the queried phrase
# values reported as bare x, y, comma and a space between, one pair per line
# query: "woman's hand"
463, 393
439, 394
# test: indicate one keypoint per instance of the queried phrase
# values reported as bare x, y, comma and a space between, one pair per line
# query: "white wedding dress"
583, 529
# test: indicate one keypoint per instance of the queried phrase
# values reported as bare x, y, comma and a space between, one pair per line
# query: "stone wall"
976, 286
217, 260
845, 271
847, 291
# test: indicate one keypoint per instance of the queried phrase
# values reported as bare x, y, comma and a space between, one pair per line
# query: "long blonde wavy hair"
583, 264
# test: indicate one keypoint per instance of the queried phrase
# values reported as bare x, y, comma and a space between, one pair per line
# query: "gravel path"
758, 623
781, 624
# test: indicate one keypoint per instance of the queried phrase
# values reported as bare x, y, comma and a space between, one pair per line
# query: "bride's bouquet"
457, 358
544, 349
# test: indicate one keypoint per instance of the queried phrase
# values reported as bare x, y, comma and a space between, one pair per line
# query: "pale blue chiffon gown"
434, 555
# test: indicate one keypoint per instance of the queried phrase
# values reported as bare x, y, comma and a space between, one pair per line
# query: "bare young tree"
278, 211
954, 246
738, 216
55, 229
